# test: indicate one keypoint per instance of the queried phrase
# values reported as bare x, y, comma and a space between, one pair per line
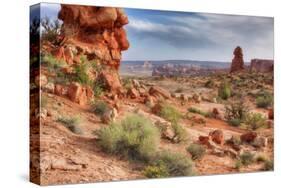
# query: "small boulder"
271, 113
217, 136
133, 93
79, 94
49, 87
159, 92
248, 137
60, 90
260, 142
216, 113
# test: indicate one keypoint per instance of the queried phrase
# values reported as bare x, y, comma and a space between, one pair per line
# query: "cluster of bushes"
248, 158
71, 123
255, 121
52, 63
171, 114
236, 113
198, 111
224, 91
264, 100
167, 164
99, 107
51, 30
197, 151
136, 138
81, 74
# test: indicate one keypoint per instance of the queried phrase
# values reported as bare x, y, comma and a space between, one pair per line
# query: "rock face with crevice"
96, 31
237, 61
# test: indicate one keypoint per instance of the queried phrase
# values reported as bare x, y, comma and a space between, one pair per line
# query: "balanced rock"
237, 61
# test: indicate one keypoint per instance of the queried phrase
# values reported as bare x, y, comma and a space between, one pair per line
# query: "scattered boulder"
111, 81
149, 101
156, 109
217, 136
109, 116
60, 90
204, 140
216, 113
237, 61
133, 93
166, 129
260, 142
49, 87
196, 98
271, 113
159, 92
79, 94
248, 137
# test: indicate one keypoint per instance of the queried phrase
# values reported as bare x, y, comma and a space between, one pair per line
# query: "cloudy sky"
163, 35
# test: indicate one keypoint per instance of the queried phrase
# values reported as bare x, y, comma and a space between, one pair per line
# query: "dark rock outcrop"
261, 65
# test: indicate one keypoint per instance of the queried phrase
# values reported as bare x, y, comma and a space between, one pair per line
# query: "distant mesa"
261, 65
237, 62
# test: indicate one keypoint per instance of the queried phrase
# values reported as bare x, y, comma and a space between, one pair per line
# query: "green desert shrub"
180, 134
127, 83
177, 164
198, 111
156, 171
265, 100
98, 88
261, 158
134, 137
247, 158
81, 74
51, 29
235, 113
209, 84
99, 107
72, 123
170, 113
238, 164
224, 91
268, 165
234, 122
197, 151
51, 62
255, 121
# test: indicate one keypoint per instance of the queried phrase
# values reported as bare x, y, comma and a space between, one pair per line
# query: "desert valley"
95, 117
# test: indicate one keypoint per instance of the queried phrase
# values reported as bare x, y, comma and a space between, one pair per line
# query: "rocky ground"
67, 157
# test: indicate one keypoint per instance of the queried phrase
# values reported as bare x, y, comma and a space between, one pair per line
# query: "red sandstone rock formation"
97, 31
261, 65
237, 61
